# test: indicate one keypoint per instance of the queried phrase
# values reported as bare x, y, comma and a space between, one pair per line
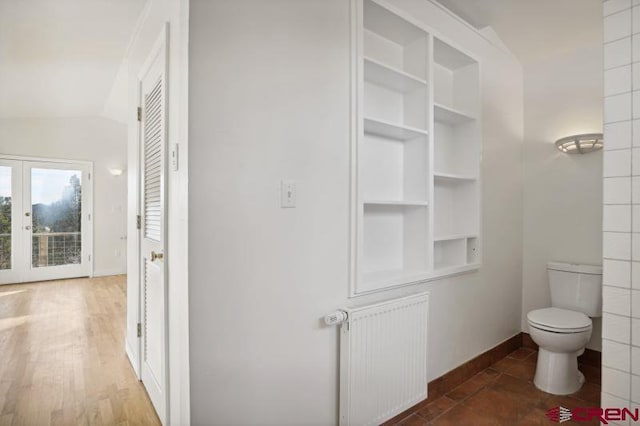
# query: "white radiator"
383, 359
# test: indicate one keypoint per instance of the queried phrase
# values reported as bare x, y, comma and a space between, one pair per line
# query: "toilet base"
557, 373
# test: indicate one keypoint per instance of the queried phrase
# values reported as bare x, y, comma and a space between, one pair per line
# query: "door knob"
27, 214
27, 227
156, 256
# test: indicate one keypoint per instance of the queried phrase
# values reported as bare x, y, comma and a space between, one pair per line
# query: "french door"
45, 220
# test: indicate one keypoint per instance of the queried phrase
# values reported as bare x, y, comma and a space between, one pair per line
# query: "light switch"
174, 157
288, 193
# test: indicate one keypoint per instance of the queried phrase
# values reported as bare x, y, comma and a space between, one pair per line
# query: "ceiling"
59, 58
536, 29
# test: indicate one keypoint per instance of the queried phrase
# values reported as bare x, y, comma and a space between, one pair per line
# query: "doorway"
45, 220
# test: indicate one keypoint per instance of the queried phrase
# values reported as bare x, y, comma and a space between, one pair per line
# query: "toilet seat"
558, 320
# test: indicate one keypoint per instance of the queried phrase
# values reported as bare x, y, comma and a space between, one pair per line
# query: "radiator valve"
335, 318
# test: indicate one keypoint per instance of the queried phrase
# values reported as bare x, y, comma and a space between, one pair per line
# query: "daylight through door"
45, 220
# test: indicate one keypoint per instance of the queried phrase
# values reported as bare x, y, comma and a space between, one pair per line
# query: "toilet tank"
576, 287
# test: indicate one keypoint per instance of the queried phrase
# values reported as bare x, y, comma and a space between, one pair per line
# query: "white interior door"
45, 215
11, 254
152, 239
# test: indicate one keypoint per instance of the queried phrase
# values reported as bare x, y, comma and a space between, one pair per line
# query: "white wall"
156, 14
269, 100
96, 139
562, 193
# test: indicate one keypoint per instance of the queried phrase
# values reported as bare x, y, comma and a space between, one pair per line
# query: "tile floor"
504, 394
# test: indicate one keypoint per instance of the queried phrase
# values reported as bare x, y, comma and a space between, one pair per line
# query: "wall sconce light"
116, 172
581, 144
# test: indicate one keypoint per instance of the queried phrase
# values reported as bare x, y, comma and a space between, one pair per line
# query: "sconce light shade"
115, 172
580, 144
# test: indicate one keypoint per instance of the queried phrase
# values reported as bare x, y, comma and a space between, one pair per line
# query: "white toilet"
562, 331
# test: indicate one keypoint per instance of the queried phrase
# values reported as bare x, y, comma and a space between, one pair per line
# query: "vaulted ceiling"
536, 29
59, 58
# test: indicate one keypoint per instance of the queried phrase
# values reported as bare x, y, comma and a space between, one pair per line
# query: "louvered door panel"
153, 144
153, 133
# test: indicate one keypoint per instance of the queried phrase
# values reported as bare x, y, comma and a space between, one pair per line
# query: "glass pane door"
5, 217
45, 217
56, 220
56, 206
10, 221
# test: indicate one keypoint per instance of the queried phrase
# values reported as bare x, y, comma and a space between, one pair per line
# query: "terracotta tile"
521, 353
413, 420
488, 375
524, 390
492, 372
523, 370
467, 389
436, 408
536, 417
590, 392
562, 401
504, 364
463, 416
497, 405
533, 358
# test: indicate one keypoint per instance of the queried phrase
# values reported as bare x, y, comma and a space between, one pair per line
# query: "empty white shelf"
391, 78
397, 203
392, 131
445, 114
453, 177
394, 277
453, 268
451, 237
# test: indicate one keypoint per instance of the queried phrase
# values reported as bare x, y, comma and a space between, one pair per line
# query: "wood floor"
62, 357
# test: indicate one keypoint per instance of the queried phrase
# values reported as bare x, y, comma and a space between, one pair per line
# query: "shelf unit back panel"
394, 41
456, 208
456, 148
393, 238
393, 170
384, 104
457, 89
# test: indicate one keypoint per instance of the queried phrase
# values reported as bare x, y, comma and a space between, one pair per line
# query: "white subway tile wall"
613, 6
616, 355
617, 26
618, 135
617, 164
617, 328
621, 210
618, 80
617, 273
616, 245
617, 53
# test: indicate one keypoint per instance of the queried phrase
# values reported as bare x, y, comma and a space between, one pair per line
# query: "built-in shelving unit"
416, 183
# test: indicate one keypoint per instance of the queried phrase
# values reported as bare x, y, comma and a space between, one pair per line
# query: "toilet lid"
556, 319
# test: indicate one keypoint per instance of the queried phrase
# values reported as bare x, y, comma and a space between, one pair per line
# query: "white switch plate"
174, 157
288, 193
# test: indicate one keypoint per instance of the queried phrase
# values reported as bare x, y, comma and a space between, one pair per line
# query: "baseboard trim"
109, 272
447, 382
132, 359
